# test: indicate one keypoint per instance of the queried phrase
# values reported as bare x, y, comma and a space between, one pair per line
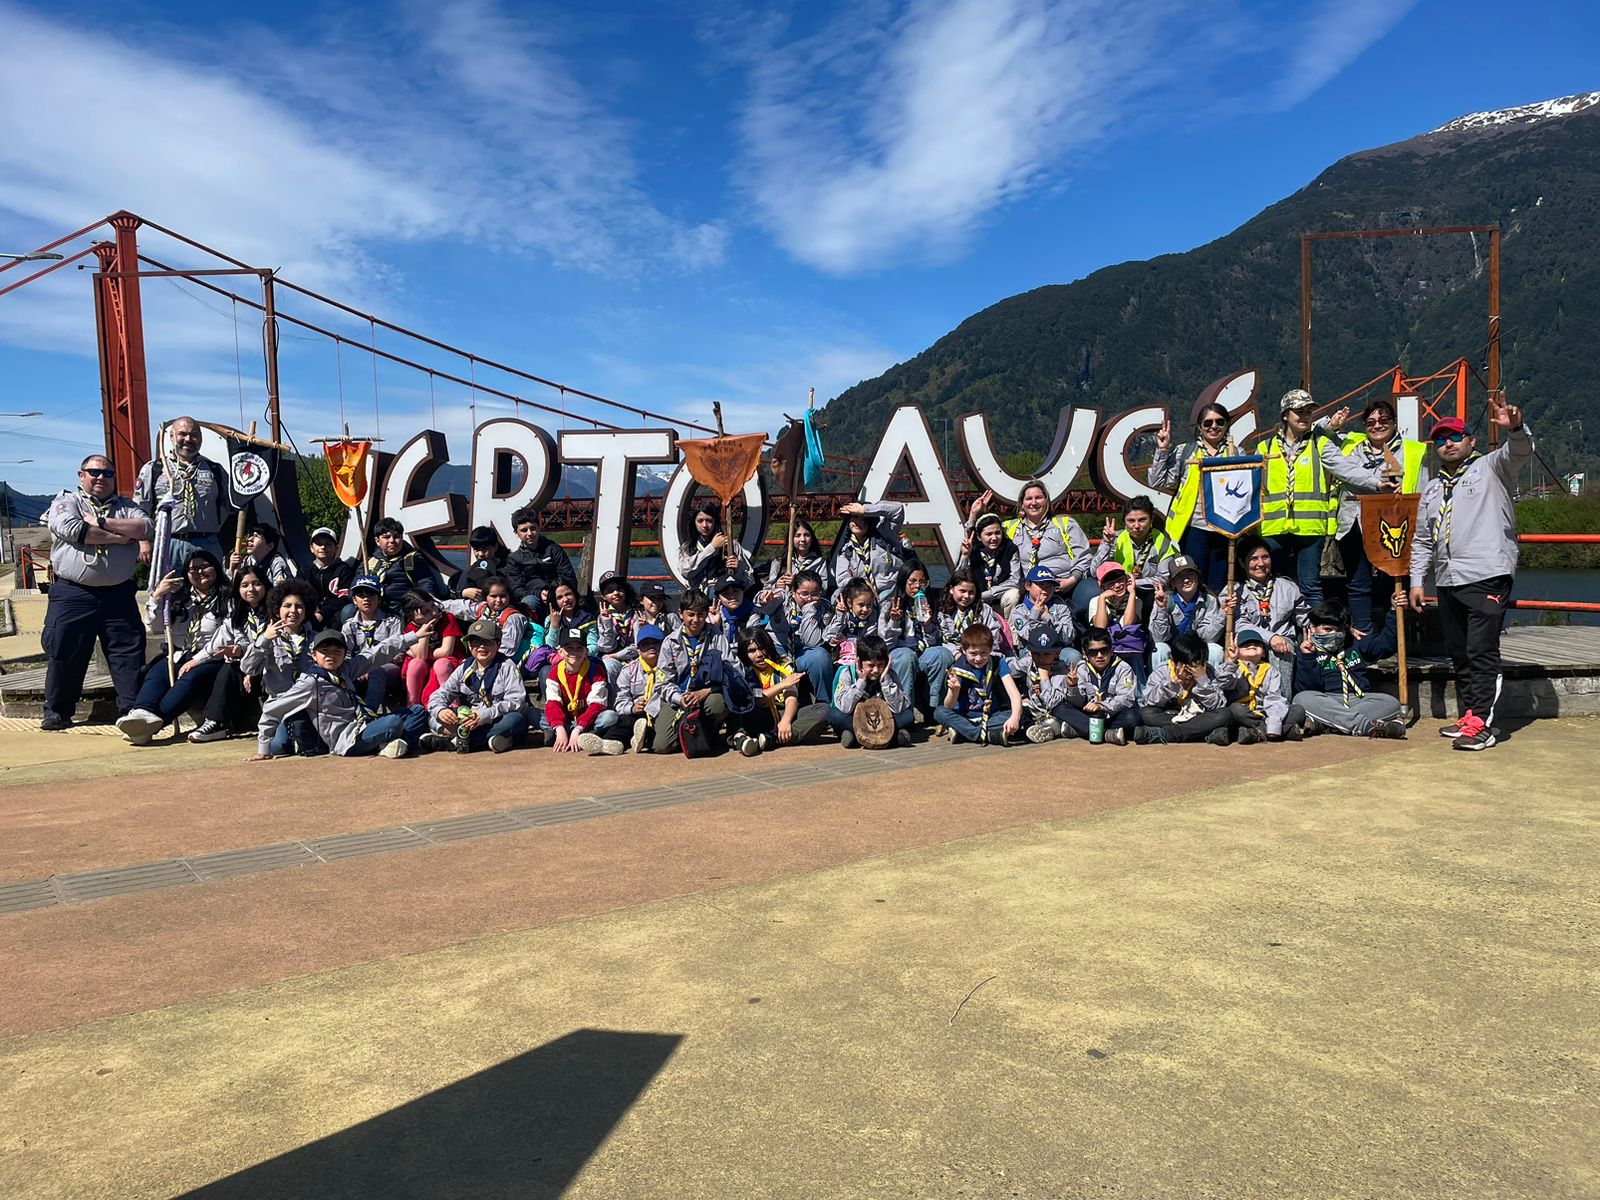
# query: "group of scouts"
1035, 636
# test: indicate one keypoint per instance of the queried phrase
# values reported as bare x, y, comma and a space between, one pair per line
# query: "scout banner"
1231, 491
347, 469
1388, 524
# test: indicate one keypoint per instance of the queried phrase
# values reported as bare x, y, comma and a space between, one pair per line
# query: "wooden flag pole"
1400, 653
1227, 632
238, 535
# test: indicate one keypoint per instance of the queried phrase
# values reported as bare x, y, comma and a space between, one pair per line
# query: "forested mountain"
1158, 331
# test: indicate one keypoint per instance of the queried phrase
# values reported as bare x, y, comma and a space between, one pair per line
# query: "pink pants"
423, 678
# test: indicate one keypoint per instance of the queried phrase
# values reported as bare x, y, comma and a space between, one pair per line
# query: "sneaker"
1480, 738
209, 731
1041, 733
501, 742
1117, 737
395, 749
429, 743
589, 742
769, 741
1295, 733
139, 725
847, 739
611, 747
902, 737
1454, 729
1251, 737
1218, 737
641, 730
1149, 735
54, 723
747, 745
1394, 729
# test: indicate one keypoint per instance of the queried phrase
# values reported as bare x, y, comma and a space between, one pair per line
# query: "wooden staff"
1400, 652
238, 535
1227, 631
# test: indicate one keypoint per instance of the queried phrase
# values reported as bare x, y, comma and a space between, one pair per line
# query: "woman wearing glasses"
1186, 521
1380, 448
187, 606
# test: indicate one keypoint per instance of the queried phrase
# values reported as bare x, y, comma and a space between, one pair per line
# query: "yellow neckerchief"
571, 694
1183, 693
650, 676
368, 631
1250, 700
769, 672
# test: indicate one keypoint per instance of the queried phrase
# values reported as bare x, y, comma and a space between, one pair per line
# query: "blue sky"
674, 203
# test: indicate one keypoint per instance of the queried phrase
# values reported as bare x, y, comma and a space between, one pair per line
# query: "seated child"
991, 560
697, 675
235, 702
1042, 680
431, 659
797, 618
1185, 605
497, 605
261, 550
1043, 605
655, 609
1117, 610
576, 713
365, 630
1183, 703
1330, 676
280, 653
617, 623
959, 607
482, 703
872, 681
1272, 604
972, 685
731, 612
908, 624
1103, 686
398, 568
326, 692
639, 693
856, 617
488, 559
778, 718
1255, 694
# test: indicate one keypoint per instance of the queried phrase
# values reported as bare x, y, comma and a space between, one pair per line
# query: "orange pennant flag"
347, 468
723, 464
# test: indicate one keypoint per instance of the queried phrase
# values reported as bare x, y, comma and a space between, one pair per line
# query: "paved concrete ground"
1369, 977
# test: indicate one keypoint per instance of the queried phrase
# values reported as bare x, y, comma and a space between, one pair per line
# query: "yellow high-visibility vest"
1295, 496
1411, 456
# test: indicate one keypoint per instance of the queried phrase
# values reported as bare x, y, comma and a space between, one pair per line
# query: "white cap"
323, 529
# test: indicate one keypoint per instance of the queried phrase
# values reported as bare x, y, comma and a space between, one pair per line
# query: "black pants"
1243, 718
1192, 730
1472, 614
76, 617
230, 705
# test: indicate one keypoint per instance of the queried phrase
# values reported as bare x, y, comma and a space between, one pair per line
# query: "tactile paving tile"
458, 828
353, 845
644, 799
20, 897
95, 885
249, 862
733, 785
540, 816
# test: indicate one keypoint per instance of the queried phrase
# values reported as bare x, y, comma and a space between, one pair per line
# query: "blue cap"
1042, 575
367, 582
1248, 633
648, 633
1042, 639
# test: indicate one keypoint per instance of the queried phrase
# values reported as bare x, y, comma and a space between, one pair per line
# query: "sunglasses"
1213, 423
1442, 439
1098, 652
99, 473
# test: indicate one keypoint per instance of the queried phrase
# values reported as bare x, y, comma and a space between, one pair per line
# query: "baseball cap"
1107, 569
327, 637
366, 583
574, 637
1448, 425
1296, 398
609, 578
483, 629
1249, 634
1042, 575
648, 633
1041, 640
324, 531
655, 589
1181, 563
729, 581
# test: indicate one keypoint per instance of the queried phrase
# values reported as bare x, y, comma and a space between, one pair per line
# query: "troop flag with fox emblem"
1388, 524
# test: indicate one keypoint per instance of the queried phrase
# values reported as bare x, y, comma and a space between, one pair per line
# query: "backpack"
692, 736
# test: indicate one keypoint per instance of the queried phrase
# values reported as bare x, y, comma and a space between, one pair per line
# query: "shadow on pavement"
522, 1128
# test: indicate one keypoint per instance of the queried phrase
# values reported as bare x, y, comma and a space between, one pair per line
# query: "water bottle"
921, 610
1097, 731
463, 715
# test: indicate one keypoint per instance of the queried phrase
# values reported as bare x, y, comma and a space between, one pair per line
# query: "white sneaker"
611, 747
640, 730
1041, 733
590, 743
501, 742
769, 741
140, 725
395, 749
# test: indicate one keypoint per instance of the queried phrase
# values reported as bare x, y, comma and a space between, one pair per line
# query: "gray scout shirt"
1162, 690
795, 627
280, 660
877, 558
512, 627
1059, 544
69, 519
1270, 699
1276, 608
885, 687
637, 682
194, 621
1116, 688
493, 692
702, 566
361, 635
1208, 620
1042, 691
1477, 537
335, 706
200, 501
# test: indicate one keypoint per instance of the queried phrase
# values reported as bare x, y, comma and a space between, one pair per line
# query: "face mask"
1328, 643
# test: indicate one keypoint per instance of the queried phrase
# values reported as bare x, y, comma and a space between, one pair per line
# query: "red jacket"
576, 699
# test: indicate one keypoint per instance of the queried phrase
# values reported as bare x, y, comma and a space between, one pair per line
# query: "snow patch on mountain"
1526, 114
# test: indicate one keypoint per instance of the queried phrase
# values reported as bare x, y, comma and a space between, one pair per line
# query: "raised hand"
1507, 416
1110, 530
168, 581
1164, 435
1337, 420
1232, 652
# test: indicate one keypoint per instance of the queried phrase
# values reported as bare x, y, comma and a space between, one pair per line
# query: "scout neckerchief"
1102, 680
1035, 537
858, 554
1342, 661
1183, 688
1441, 524
1203, 452
577, 690
769, 672
198, 611
1253, 683
481, 683
102, 510
693, 649
368, 632
1186, 610
980, 687
959, 620
1372, 453
254, 622
364, 714
625, 621
181, 477
296, 643
1141, 554
991, 567
1261, 592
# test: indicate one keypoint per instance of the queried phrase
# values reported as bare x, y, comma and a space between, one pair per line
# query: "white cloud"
1332, 38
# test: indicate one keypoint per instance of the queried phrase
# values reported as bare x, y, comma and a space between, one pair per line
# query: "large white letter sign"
1237, 394
615, 456
1074, 439
672, 522
497, 446
908, 436
406, 498
1110, 469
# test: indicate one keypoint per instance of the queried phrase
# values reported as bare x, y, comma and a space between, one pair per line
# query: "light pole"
37, 256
